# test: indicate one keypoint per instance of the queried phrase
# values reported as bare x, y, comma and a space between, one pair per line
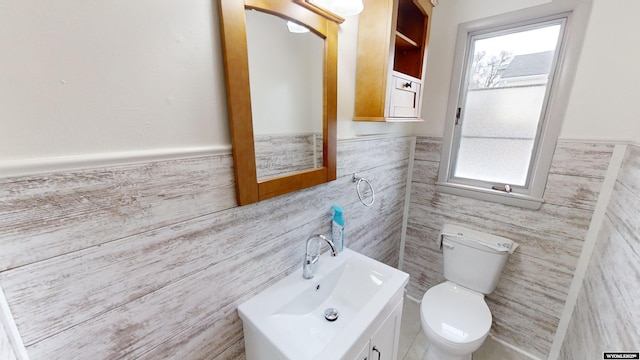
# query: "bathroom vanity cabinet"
383, 342
392, 41
350, 309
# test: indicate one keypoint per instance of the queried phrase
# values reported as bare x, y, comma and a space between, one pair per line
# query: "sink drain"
331, 314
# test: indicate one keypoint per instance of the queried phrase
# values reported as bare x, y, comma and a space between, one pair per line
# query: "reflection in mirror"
286, 78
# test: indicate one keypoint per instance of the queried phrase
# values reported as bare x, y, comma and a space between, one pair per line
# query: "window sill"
512, 199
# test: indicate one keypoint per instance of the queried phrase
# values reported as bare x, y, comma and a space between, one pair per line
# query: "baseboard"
514, 348
407, 296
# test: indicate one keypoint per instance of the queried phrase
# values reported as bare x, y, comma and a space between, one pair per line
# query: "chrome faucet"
311, 260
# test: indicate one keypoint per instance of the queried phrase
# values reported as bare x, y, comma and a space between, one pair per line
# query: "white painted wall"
607, 86
606, 82
90, 78
87, 79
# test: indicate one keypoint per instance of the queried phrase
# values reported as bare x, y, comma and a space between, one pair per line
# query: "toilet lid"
455, 313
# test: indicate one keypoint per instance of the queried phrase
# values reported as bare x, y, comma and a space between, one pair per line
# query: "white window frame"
530, 196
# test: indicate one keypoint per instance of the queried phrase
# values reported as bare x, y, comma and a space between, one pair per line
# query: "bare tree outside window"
486, 69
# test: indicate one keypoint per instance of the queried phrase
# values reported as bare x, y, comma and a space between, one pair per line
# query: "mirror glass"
286, 78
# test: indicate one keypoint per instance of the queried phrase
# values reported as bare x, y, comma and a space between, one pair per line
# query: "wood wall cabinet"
392, 40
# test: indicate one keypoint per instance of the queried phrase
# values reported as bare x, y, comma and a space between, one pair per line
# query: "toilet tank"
474, 259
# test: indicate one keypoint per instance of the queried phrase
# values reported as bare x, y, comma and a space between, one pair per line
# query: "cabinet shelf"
404, 42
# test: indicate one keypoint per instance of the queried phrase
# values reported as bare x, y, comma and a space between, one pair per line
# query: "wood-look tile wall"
150, 261
607, 312
531, 293
282, 154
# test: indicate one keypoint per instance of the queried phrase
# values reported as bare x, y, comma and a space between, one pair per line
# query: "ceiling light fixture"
296, 28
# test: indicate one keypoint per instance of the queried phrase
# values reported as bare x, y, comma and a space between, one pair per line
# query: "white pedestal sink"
287, 320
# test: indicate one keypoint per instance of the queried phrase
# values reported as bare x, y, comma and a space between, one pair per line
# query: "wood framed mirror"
250, 187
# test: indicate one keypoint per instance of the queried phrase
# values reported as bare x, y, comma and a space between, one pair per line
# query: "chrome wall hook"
357, 179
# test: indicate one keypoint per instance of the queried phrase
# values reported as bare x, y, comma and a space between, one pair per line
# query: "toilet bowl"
455, 320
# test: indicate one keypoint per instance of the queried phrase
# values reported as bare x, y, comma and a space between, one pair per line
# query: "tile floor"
413, 343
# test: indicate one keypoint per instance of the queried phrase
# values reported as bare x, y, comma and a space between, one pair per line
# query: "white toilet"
455, 318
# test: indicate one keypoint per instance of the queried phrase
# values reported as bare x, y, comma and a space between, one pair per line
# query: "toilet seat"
455, 314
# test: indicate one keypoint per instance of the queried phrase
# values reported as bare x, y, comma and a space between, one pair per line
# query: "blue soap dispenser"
337, 228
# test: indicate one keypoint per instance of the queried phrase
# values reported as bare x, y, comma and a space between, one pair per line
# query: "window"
509, 90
